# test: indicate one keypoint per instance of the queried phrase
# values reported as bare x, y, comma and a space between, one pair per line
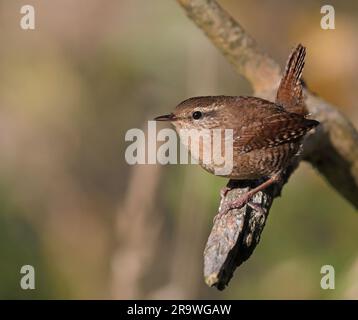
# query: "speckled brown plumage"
266, 136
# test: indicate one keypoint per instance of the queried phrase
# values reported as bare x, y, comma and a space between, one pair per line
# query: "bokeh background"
95, 227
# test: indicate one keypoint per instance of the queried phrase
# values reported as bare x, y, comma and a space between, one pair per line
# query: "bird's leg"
246, 197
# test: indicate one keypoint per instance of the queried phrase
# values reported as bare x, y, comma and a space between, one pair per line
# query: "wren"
266, 135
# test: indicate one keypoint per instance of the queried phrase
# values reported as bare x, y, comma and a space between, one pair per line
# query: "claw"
224, 191
257, 208
236, 204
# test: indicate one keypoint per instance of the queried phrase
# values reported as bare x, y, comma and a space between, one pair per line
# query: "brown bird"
266, 135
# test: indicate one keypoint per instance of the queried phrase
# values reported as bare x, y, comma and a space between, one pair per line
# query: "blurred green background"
95, 227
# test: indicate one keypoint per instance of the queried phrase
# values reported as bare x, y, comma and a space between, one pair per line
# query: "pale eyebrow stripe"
205, 113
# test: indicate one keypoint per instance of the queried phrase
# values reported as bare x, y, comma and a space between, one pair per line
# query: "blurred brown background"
95, 227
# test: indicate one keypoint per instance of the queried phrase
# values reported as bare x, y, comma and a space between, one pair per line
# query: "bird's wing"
272, 130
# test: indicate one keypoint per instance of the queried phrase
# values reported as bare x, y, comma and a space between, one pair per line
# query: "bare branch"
332, 150
235, 235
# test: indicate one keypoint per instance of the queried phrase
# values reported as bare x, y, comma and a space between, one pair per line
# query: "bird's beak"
166, 117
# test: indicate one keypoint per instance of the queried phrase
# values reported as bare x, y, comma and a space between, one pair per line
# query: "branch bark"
332, 149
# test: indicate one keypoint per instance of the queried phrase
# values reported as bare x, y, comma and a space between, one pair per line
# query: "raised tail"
289, 93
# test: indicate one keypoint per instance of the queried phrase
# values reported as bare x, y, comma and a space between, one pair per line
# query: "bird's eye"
197, 115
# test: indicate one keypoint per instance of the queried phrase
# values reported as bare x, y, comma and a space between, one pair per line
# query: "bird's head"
198, 113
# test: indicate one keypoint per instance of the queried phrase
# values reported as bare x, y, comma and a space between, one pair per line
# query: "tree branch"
332, 149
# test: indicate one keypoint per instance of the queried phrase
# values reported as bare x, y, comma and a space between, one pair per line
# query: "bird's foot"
245, 199
235, 204
257, 208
